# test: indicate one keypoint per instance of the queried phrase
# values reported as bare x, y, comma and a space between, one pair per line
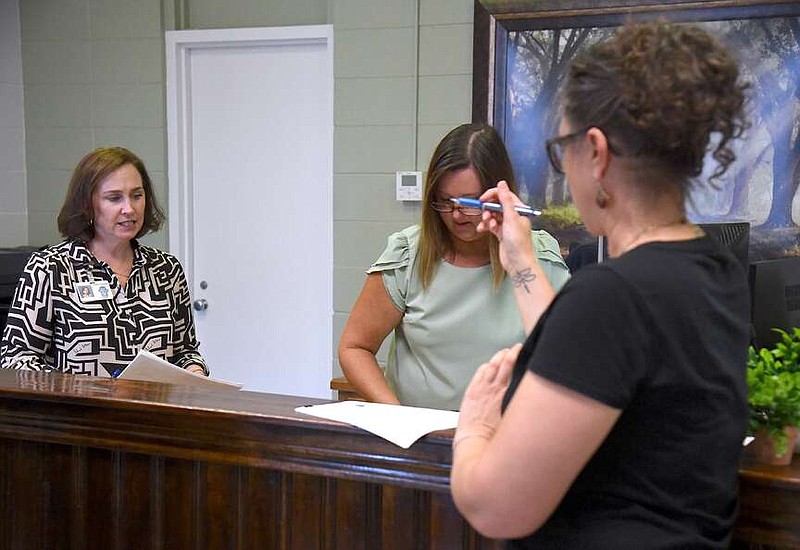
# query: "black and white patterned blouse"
51, 327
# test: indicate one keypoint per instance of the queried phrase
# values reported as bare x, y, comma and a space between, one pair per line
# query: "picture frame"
761, 188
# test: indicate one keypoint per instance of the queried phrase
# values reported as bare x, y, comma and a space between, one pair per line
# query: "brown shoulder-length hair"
76, 218
476, 146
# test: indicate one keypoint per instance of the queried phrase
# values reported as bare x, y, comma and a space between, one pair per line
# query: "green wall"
13, 196
93, 73
391, 110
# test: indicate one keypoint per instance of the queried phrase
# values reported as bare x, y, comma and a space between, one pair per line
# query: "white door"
250, 114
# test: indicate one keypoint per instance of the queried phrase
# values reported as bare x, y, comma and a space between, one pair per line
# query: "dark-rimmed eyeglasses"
447, 207
555, 148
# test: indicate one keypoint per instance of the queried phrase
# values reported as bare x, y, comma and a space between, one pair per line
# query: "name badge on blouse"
93, 292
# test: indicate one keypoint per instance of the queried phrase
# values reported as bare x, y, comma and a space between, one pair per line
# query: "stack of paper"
150, 367
396, 423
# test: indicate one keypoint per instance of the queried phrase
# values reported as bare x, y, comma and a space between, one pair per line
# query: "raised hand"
512, 230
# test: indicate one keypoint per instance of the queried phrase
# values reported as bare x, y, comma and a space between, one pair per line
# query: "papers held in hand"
399, 424
152, 368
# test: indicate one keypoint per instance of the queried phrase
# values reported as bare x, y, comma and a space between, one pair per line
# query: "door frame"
179, 46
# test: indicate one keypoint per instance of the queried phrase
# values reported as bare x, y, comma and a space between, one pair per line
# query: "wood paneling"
769, 504
121, 465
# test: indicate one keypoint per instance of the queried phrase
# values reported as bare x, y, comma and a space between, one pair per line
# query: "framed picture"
521, 53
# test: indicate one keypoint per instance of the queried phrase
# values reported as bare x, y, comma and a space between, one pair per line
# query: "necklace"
120, 274
650, 228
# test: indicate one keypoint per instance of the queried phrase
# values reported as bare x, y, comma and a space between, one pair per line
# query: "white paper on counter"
149, 367
400, 424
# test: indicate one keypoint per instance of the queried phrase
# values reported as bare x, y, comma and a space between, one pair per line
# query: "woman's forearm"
532, 291
365, 375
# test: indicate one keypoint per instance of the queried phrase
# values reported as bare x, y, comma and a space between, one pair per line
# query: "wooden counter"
91, 463
769, 505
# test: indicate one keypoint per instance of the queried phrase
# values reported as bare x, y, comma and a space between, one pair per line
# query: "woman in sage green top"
441, 288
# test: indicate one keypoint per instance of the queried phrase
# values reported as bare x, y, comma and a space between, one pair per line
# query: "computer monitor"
775, 298
735, 236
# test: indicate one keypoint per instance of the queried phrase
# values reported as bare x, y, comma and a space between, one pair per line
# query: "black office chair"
12, 262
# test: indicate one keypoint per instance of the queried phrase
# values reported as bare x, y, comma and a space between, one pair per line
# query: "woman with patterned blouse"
89, 304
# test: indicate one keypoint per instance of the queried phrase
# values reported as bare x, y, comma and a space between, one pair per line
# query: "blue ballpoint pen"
495, 207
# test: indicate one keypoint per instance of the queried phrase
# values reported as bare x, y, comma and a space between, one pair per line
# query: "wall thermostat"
409, 186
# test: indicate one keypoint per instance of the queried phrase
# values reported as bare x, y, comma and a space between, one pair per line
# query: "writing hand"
512, 230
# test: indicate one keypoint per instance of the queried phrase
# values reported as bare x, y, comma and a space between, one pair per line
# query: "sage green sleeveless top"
457, 324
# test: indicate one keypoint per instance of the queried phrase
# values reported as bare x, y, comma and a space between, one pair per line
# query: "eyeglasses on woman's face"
555, 149
447, 207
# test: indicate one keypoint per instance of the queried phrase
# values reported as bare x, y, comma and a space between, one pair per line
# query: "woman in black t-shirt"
618, 424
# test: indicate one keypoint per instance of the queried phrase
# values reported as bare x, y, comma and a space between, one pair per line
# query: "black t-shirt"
660, 333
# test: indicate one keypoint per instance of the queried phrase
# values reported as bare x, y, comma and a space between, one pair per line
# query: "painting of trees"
538, 60
770, 51
761, 187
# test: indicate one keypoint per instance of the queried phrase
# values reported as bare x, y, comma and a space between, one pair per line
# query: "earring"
601, 199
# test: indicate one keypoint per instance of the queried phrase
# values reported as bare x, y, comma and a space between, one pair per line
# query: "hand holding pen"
512, 231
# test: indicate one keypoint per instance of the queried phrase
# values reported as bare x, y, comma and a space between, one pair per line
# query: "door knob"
200, 305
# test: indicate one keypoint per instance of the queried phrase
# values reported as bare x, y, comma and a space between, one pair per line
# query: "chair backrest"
584, 254
12, 263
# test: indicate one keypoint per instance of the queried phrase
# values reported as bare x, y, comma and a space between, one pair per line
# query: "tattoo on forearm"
522, 278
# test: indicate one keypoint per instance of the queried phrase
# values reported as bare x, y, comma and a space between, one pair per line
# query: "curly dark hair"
75, 220
659, 91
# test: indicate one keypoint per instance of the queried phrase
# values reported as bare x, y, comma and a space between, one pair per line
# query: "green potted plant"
564, 223
773, 381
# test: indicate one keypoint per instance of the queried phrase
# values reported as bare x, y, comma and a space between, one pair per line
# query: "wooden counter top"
101, 463
225, 426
